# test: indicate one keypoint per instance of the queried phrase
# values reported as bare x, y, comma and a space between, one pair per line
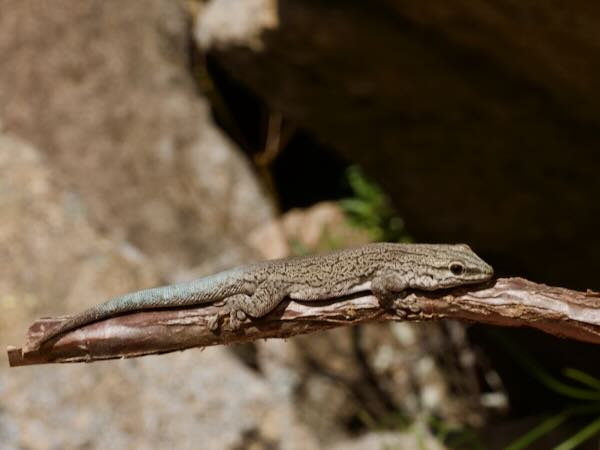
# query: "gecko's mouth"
476, 275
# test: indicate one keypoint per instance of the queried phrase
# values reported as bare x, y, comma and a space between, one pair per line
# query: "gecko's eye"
456, 268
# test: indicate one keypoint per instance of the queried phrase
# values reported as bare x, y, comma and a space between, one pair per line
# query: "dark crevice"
304, 171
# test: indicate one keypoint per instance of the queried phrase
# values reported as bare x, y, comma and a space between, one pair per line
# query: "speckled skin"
256, 289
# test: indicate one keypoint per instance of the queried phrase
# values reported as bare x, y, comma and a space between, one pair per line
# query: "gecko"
252, 291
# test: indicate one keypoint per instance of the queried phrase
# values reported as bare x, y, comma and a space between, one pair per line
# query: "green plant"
454, 435
585, 392
370, 209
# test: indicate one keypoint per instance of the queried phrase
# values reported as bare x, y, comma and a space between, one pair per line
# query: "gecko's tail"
113, 307
196, 292
70, 324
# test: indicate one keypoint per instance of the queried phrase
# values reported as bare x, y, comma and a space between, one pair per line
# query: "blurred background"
149, 142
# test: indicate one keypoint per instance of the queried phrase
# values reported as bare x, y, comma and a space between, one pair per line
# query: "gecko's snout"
485, 271
489, 270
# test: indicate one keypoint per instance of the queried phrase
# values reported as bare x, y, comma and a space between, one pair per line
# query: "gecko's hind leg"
240, 307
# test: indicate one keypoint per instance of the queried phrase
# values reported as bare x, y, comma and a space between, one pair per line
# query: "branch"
506, 301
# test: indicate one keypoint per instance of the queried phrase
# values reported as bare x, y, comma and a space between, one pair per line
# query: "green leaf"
582, 377
369, 209
583, 435
543, 376
534, 434
361, 186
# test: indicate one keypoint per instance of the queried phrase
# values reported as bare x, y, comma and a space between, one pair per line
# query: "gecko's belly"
311, 293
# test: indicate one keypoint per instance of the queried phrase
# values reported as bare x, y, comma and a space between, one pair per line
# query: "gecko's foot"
236, 319
385, 299
232, 307
400, 313
397, 305
391, 301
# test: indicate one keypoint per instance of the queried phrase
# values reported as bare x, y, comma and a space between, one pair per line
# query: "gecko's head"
456, 265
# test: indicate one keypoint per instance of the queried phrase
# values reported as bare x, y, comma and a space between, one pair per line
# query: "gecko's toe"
236, 318
213, 322
400, 313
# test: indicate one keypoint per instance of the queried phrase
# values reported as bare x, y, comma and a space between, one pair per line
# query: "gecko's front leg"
387, 288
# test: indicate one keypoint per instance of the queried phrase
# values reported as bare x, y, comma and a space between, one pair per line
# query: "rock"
104, 91
479, 119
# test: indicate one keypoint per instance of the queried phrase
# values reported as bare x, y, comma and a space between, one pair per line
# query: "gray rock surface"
104, 90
